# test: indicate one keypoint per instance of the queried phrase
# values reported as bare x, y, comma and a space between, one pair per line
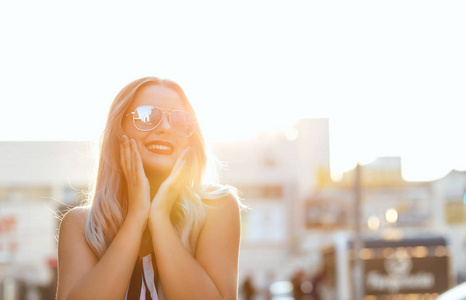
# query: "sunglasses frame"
164, 111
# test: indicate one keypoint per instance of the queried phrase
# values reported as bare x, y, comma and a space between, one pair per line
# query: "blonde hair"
108, 195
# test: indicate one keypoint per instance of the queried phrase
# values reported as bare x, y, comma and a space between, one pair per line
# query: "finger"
126, 154
182, 158
133, 165
138, 162
179, 164
122, 159
128, 157
175, 174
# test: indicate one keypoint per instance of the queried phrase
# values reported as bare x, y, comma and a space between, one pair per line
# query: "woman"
154, 227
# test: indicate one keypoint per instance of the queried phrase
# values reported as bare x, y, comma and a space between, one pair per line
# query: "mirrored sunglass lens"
147, 117
182, 122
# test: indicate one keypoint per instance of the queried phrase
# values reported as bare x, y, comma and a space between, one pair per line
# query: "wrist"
140, 213
139, 220
158, 210
158, 218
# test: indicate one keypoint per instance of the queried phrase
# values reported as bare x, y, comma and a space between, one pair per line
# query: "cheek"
191, 141
125, 125
129, 130
183, 144
187, 143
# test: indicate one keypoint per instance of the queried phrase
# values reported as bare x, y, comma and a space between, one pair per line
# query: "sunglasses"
147, 118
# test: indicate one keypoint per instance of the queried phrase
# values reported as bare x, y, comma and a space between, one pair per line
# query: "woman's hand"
170, 188
136, 179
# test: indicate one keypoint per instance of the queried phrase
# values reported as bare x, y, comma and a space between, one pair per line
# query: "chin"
158, 166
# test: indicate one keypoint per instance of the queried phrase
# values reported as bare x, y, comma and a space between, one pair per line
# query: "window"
262, 191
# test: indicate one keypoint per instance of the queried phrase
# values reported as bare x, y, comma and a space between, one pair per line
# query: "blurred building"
383, 188
397, 214
38, 181
449, 217
276, 172
296, 209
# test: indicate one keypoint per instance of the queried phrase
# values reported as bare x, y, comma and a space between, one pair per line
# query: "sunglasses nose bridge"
165, 121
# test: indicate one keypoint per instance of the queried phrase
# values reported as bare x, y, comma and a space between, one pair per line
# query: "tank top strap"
144, 284
150, 276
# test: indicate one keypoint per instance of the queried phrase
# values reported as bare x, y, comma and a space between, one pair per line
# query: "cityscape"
339, 122
369, 234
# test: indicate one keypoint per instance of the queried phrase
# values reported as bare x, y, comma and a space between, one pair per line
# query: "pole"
358, 241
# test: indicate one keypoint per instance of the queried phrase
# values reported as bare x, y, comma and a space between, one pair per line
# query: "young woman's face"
160, 147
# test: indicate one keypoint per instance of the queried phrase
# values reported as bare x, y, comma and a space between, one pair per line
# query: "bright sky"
390, 75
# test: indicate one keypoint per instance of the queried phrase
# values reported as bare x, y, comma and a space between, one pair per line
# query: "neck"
155, 180
146, 243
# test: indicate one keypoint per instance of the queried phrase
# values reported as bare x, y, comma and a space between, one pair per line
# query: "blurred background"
341, 122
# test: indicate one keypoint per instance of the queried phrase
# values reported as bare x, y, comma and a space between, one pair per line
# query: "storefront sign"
403, 274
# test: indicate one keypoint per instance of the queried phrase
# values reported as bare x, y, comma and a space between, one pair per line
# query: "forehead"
157, 95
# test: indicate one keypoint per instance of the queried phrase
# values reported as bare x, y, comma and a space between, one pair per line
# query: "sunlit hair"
108, 197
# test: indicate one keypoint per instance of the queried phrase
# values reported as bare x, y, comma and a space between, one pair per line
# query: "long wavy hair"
108, 195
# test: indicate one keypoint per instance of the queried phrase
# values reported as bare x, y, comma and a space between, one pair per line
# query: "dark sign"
400, 273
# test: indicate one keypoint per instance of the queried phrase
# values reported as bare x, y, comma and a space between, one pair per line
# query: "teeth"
158, 147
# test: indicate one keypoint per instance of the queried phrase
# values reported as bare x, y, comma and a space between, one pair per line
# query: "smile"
160, 147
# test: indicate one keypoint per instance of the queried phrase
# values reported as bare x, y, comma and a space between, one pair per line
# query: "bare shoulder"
73, 228
228, 204
223, 214
75, 219
218, 245
75, 257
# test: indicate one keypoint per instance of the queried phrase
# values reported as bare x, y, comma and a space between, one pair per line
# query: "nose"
164, 124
